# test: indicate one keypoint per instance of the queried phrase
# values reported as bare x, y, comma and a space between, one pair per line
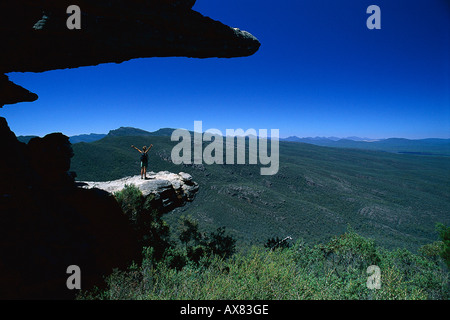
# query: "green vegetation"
202, 266
444, 248
151, 228
334, 271
394, 199
200, 244
234, 240
154, 233
397, 145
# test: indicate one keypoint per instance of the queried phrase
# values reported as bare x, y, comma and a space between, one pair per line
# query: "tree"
189, 230
444, 234
274, 243
152, 230
199, 244
221, 244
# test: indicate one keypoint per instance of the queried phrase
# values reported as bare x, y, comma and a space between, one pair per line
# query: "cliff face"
47, 222
35, 36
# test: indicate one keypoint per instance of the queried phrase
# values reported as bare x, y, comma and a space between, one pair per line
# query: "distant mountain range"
309, 139
129, 131
323, 186
87, 137
395, 199
430, 146
120, 132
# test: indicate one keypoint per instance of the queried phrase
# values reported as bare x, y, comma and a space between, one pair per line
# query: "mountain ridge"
425, 146
393, 198
131, 131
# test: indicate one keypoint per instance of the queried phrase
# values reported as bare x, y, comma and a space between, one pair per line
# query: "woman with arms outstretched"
144, 160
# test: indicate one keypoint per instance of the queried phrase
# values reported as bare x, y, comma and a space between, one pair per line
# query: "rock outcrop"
48, 224
11, 93
35, 36
169, 190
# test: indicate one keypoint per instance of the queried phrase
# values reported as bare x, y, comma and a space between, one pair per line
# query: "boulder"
168, 190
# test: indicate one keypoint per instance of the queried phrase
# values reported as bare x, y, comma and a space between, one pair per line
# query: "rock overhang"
35, 37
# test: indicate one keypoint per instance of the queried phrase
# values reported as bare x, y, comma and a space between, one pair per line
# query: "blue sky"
319, 72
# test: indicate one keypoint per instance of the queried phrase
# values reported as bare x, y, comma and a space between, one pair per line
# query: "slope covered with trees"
318, 191
188, 264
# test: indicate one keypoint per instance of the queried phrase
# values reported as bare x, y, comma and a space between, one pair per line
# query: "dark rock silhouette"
48, 224
11, 93
35, 37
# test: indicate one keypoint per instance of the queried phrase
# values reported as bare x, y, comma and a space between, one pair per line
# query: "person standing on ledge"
144, 160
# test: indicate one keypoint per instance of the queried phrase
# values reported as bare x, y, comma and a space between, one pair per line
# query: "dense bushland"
200, 265
391, 198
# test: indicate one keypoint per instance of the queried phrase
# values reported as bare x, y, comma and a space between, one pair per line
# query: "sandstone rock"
169, 190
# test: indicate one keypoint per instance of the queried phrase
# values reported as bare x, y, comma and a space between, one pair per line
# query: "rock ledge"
170, 190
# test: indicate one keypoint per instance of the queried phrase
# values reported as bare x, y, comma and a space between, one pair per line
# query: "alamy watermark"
374, 279
74, 280
74, 20
374, 21
223, 150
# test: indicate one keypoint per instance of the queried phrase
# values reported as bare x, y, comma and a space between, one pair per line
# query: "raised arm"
148, 148
136, 148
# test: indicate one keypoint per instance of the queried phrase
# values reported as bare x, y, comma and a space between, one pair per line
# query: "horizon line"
331, 137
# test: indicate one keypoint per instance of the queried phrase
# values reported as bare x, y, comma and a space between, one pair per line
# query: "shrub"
277, 243
200, 244
220, 244
432, 251
444, 233
333, 271
131, 201
148, 223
